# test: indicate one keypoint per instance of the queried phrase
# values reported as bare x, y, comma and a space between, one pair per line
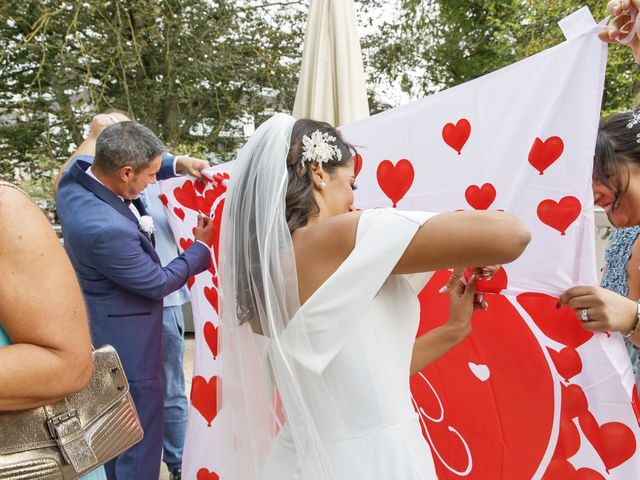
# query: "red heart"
587, 474
614, 441
395, 181
204, 397
186, 195
559, 215
480, 198
561, 469
179, 212
204, 474
212, 296
568, 439
211, 337
497, 283
635, 403
217, 221
559, 324
457, 135
567, 362
190, 281
204, 202
163, 198
199, 185
574, 401
543, 154
357, 164
185, 243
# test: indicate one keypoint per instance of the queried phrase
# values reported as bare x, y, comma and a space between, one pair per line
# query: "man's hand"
103, 120
191, 166
205, 231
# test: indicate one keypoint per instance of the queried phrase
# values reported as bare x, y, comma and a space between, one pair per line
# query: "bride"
319, 311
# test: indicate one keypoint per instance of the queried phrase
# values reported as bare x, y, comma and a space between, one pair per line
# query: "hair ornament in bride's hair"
317, 148
634, 121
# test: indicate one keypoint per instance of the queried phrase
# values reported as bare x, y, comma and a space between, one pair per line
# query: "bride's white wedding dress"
361, 324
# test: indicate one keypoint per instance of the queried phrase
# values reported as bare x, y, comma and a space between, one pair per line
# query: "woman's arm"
41, 309
464, 239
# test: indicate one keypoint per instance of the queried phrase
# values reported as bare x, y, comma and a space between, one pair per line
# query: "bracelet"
635, 323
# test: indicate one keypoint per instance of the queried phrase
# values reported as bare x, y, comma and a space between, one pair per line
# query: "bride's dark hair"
300, 202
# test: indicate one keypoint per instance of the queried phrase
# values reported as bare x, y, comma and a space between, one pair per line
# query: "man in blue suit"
111, 247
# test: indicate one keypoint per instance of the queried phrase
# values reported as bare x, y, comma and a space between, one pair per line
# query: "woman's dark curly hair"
617, 148
300, 202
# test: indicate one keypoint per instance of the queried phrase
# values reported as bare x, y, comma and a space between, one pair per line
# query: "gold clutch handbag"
79, 433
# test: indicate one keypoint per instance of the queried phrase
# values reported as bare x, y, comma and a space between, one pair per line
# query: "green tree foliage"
191, 70
436, 44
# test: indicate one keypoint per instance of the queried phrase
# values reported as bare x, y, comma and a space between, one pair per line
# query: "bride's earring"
322, 184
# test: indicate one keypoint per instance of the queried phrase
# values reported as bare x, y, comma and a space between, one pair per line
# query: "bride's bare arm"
464, 239
41, 309
448, 240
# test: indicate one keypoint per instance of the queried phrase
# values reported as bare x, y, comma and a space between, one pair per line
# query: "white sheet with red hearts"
530, 393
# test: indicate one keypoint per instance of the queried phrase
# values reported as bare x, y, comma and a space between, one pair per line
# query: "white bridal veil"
263, 386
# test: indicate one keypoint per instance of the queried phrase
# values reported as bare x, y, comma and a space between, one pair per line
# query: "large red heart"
395, 180
204, 397
212, 295
204, 474
559, 324
559, 215
357, 164
211, 337
614, 441
543, 154
186, 195
567, 362
480, 198
457, 135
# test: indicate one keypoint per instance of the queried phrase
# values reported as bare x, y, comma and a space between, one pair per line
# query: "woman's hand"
462, 302
606, 311
622, 24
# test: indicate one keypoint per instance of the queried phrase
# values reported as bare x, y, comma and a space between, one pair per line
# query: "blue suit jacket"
118, 268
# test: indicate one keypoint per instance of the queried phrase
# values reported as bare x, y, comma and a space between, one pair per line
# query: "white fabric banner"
553, 400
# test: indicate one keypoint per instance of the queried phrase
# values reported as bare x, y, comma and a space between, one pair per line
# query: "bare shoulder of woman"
321, 248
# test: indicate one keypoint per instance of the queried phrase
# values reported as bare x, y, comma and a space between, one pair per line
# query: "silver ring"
584, 316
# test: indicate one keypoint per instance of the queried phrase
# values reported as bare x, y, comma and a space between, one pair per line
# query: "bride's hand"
462, 302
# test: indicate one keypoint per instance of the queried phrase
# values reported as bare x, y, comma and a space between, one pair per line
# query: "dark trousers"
142, 461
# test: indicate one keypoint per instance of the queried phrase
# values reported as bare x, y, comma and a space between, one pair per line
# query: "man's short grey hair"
126, 144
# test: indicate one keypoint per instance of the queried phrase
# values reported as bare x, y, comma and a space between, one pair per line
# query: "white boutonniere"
146, 226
